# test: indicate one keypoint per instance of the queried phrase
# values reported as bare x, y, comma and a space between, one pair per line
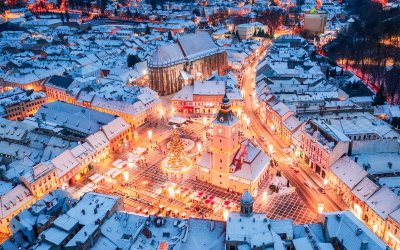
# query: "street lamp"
150, 134
171, 192
320, 207
205, 121
264, 195
226, 214
270, 148
325, 182
126, 176
199, 147
248, 122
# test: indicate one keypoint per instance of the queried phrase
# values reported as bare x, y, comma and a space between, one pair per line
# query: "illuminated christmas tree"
176, 161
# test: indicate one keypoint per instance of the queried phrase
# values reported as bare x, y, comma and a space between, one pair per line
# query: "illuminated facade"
322, 146
392, 231
231, 164
42, 180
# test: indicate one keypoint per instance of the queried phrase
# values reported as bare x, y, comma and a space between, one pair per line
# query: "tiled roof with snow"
348, 171
379, 202
93, 206
351, 232
187, 48
116, 127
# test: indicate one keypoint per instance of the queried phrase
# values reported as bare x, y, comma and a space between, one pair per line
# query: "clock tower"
225, 144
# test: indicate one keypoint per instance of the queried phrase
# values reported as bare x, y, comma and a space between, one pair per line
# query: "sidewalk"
320, 183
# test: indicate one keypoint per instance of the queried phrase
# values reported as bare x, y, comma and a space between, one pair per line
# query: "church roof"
196, 45
167, 54
188, 47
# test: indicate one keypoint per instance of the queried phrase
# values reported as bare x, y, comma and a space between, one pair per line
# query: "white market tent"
96, 178
177, 120
116, 163
139, 151
113, 172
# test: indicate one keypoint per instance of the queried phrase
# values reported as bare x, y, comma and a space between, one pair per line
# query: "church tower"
225, 143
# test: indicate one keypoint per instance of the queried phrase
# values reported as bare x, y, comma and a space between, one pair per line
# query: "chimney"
364, 245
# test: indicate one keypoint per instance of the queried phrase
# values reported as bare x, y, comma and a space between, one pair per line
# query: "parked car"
321, 190
286, 150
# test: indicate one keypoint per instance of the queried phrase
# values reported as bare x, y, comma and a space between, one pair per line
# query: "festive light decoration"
176, 161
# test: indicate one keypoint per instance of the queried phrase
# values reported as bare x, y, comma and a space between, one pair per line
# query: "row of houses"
135, 104
338, 136
98, 221
378, 206
99, 134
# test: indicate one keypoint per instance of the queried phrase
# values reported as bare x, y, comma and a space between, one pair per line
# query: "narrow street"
309, 194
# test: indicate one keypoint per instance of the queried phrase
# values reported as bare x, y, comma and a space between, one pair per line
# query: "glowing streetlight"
226, 214
264, 196
239, 113
270, 148
248, 122
171, 192
199, 147
320, 207
126, 176
325, 182
205, 121
150, 134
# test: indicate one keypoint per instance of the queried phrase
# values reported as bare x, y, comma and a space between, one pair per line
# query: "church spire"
225, 114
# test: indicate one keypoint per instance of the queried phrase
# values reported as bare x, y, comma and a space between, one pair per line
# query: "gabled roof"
194, 44
188, 47
348, 171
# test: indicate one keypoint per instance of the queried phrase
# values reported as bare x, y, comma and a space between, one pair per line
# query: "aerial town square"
200, 125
